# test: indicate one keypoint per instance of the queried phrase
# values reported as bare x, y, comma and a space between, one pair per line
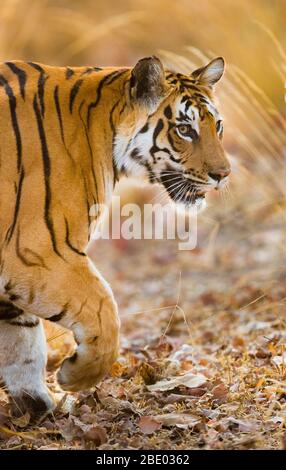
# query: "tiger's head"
172, 131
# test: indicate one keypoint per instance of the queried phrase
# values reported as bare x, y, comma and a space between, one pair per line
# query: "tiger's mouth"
181, 189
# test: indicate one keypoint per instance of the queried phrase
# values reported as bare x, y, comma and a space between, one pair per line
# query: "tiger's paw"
80, 372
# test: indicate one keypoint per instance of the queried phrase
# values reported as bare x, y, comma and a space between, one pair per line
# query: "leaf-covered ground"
203, 360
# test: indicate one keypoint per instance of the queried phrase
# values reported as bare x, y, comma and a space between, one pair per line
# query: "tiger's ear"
147, 81
211, 73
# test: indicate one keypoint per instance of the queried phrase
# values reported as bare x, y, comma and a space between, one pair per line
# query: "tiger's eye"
185, 130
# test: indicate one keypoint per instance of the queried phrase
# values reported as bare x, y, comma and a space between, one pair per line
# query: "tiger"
67, 136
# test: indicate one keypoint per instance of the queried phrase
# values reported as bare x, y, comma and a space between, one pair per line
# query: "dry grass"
229, 322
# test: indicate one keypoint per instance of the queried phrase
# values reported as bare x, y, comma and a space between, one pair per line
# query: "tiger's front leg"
78, 298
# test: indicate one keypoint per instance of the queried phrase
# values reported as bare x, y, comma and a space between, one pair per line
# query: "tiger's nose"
218, 175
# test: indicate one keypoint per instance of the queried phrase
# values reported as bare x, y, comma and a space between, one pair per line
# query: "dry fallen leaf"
244, 425
220, 391
148, 424
65, 402
197, 391
97, 435
180, 420
189, 380
280, 360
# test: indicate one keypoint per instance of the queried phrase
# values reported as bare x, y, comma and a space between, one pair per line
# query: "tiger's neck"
102, 105
98, 108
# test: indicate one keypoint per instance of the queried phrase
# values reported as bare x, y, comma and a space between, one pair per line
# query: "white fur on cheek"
126, 141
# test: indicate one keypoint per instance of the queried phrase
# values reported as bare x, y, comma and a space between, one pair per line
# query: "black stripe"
16, 129
189, 84
168, 112
22, 77
108, 79
13, 105
41, 91
115, 172
157, 130
185, 98
36, 67
87, 71
59, 114
171, 156
144, 128
58, 316
41, 84
69, 73
74, 92
86, 199
25, 324
111, 117
17, 206
122, 109
90, 70
187, 105
90, 150
47, 174
68, 242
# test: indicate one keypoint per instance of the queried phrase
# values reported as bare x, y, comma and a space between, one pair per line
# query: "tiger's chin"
183, 192
196, 200
197, 203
